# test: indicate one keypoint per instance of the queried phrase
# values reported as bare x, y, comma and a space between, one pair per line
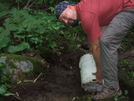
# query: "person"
118, 17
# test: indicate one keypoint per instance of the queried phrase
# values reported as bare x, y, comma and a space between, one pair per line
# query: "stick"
37, 77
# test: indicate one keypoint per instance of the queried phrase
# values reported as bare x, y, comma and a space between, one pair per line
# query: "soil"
60, 80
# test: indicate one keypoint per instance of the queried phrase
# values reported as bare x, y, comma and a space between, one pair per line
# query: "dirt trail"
60, 80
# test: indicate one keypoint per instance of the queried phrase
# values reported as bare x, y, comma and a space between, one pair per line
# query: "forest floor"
60, 81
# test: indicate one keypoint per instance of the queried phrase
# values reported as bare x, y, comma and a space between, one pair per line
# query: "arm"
102, 30
95, 45
92, 29
95, 50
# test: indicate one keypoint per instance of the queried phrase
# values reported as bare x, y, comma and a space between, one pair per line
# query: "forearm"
95, 46
96, 55
96, 51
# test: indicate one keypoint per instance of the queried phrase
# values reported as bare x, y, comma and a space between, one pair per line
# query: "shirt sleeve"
90, 25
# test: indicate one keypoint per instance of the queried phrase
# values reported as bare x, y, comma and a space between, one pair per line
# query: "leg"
110, 42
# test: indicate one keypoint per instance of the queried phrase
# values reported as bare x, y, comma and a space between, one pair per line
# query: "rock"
20, 66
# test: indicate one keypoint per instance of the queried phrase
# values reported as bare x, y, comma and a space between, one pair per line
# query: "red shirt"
96, 13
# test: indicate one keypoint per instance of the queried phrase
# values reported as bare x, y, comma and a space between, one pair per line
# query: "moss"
38, 65
44, 51
12, 65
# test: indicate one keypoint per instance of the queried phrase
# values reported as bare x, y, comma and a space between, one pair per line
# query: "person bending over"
118, 16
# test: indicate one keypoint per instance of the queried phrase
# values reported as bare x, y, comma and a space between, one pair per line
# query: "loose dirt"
60, 80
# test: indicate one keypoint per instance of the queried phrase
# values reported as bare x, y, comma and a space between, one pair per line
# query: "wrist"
99, 71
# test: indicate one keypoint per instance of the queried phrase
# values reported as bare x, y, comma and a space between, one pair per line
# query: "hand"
98, 77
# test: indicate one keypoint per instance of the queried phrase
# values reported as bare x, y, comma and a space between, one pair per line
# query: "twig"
37, 77
27, 4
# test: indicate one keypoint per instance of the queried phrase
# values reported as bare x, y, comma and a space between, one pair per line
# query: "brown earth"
60, 80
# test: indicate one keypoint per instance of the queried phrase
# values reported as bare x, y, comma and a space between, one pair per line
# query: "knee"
105, 41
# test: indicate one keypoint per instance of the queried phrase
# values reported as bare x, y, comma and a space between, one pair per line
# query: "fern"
3, 13
4, 4
18, 15
37, 28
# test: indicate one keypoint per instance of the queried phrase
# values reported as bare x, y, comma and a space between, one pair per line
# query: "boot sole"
119, 94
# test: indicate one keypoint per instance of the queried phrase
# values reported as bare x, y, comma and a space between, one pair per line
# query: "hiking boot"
106, 93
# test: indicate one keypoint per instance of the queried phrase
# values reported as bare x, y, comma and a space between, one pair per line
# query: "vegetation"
32, 25
5, 83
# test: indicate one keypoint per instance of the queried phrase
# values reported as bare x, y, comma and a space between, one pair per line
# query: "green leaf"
126, 92
2, 67
4, 32
2, 89
19, 36
1, 29
52, 44
4, 41
3, 13
11, 27
20, 47
4, 38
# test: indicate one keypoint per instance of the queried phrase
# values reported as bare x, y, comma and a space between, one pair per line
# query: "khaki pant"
110, 42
